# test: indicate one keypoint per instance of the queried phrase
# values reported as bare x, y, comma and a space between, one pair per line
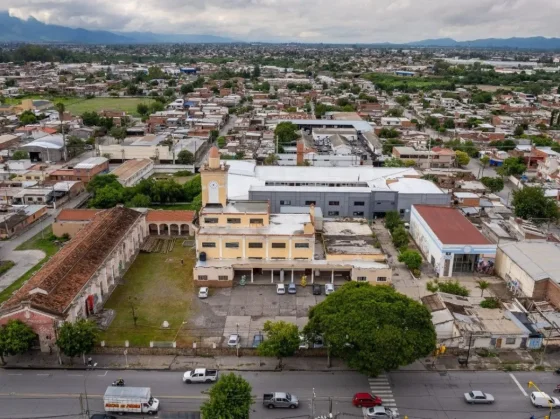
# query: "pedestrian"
89, 361
182, 261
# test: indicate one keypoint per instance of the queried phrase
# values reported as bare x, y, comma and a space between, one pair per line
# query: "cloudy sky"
343, 21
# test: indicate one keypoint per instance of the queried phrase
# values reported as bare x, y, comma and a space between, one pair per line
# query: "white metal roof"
90, 163
538, 259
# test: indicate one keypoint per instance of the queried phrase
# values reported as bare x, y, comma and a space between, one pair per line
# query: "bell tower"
213, 176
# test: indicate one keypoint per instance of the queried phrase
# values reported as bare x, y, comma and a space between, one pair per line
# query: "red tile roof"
60, 280
159, 216
450, 226
68, 214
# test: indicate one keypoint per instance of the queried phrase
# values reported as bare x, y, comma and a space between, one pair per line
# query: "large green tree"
393, 162
230, 398
286, 132
373, 328
282, 340
494, 184
512, 166
15, 338
78, 338
20, 155
27, 117
392, 220
185, 157
462, 158
530, 203
100, 181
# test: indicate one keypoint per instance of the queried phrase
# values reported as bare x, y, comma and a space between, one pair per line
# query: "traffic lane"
431, 392
28, 407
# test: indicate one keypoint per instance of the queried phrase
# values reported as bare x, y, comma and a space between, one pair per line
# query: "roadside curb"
70, 368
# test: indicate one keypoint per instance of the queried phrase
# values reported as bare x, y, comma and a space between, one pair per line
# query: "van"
541, 399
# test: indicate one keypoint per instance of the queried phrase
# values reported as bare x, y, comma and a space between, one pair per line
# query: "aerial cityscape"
269, 209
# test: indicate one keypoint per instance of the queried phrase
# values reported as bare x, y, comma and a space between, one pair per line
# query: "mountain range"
13, 29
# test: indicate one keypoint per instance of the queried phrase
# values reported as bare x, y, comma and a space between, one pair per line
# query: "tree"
462, 158
60, 108
77, 338
256, 71
484, 160
518, 131
395, 112
90, 119
530, 203
185, 157
400, 237
100, 181
156, 107
271, 160
230, 398
397, 330
168, 92
221, 141
119, 133
187, 88
27, 117
494, 184
483, 285
449, 123
16, 338
512, 166
286, 132
449, 287
282, 340
106, 197
392, 220
411, 258
388, 145
393, 162
20, 155
139, 201
142, 109
75, 146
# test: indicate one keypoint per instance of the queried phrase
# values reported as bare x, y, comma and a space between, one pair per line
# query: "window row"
256, 245
212, 220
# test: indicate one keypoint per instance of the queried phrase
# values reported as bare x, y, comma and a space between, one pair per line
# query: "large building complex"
246, 238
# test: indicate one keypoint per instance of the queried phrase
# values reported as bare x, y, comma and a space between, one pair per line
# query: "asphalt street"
39, 394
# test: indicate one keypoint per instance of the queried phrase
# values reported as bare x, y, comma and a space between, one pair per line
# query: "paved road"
26, 393
223, 132
476, 168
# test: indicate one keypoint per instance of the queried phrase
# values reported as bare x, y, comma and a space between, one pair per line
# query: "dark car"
257, 340
102, 416
316, 289
366, 400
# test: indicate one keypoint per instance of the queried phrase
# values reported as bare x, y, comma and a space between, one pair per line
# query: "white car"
280, 289
203, 292
329, 289
541, 399
233, 340
380, 412
478, 397
303, 344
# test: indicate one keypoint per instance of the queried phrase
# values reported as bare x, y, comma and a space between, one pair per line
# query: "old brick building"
79, 278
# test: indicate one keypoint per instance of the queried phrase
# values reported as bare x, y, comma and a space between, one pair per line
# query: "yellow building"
237, 238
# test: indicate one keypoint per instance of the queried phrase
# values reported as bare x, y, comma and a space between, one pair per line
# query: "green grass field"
78, 106
160, 288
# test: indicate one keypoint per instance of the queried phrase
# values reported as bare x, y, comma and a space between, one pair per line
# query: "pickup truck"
272, 400
200, 375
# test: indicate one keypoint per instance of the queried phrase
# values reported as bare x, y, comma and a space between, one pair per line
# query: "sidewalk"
37, 360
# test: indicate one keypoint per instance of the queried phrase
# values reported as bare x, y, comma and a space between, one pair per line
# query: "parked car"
203, 292
317, 343
380, 412
280, 289
257, 340
292, 288
366, 400
102, 416
316, 289
329, 289
303, 343
478, 397
233, 340
272, 400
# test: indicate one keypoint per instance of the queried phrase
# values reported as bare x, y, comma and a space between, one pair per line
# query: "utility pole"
469, 350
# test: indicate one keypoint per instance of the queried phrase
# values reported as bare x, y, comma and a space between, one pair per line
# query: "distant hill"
535, 42
13, 29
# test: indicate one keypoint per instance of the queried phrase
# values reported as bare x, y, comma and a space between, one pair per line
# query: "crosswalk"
381, 387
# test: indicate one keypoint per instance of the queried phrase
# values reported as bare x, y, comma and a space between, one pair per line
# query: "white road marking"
102, 375
518, 385
14, 374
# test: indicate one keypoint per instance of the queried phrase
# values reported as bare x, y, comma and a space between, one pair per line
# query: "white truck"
200, 375
130, 400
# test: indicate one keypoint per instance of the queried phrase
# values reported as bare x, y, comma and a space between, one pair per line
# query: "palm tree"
60, 108
483, 285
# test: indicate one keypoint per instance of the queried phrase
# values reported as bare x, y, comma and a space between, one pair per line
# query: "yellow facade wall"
371, 257
245, 220
373, 276
219, 176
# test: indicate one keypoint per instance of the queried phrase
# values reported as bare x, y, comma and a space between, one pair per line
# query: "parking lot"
244, 310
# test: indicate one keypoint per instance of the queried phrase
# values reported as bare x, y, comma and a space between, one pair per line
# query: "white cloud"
305, 20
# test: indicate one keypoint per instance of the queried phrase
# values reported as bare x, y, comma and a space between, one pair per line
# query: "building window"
401, 211
255, 245
361, 279
278, 245
333, 213
203, 277
234, 220
278, 258
334, 203
302, 245
510, 341
210, 221
208, 244
381, 279
223, 278
309, 202
358, 213
255, 258
256, 221
359, 203
233, 245
285, 202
